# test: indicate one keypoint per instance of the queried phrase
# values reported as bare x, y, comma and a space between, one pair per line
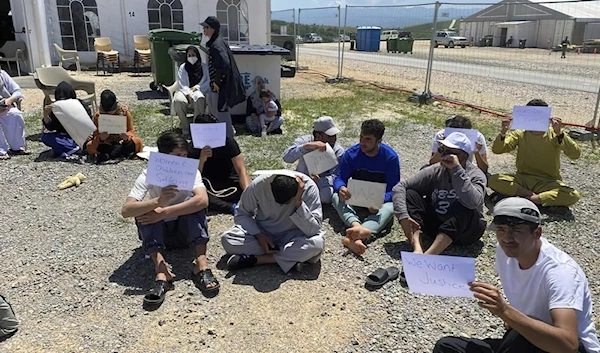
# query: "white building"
73, 24
543, 25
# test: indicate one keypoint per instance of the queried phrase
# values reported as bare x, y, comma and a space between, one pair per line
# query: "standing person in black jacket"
227, 89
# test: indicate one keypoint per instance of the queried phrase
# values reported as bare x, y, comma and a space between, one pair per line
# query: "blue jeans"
185, 231
373, 222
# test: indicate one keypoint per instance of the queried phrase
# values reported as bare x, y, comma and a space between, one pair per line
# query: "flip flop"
382, 276
204, 278
156, 295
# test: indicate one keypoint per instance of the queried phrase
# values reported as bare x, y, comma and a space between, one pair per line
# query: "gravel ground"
75, 273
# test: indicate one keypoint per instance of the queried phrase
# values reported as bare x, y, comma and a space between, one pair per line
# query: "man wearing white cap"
549, 307
324, 132
445, 200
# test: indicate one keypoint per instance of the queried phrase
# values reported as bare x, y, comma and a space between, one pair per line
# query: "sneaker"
237, 262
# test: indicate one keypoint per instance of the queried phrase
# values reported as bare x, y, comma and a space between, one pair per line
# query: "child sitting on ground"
269, 121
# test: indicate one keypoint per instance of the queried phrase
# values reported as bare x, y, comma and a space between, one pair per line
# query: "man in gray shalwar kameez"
278, 220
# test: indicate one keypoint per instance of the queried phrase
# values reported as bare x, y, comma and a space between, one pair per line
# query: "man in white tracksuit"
12, 125
278, 220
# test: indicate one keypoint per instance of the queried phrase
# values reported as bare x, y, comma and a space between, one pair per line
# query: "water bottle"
264, 131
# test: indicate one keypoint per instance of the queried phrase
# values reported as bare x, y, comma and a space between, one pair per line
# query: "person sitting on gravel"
462, 122
444, 201
111, 146
170, 218
55, 136
12, 125
324, 132
223, 170
189, 76
255, 107
278, 220
538, 164
8, 321
549, 307
370, 160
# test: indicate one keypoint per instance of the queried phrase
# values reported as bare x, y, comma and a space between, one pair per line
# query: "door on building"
503, 34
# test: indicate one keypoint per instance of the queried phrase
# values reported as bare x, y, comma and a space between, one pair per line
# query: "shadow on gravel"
329, 213
267, 278
472, 250
34, 137
556, 214
150, 95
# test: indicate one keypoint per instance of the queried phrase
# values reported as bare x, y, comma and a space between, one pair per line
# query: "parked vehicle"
285, 41
450, 39
299, 39
342, 38
387, 34
313, 38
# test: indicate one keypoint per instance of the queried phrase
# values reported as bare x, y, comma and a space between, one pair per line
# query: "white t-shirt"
480, 140
141, 189
555, 281
270, 107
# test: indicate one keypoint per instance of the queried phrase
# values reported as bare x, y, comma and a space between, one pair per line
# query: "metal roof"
578, 9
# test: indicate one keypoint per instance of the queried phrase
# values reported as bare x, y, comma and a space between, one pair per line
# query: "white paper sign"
287, 172
74, 119
145, 153
366, 193
318, 161
166, 169
211, 135
531, 118
472, 134
446, 276
112, 124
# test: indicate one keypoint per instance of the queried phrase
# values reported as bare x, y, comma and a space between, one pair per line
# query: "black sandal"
156, 295
382, 276
204, 278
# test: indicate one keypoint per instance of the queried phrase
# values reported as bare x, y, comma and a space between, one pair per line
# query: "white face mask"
192, 60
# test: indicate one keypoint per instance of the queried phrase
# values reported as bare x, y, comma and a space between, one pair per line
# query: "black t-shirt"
219, 167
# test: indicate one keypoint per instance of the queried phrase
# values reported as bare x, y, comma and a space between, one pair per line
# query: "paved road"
578, 83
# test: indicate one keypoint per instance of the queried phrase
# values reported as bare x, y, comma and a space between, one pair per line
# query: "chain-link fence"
320, 48
283, 32
494, 55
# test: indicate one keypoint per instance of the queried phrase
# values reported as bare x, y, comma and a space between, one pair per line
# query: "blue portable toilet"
367, 38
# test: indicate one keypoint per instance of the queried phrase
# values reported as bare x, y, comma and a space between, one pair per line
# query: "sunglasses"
444, 151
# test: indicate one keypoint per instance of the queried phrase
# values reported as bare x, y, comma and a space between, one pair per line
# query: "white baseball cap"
326, 125
458, 140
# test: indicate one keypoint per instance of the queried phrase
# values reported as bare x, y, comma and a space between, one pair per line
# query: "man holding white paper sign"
443, 201
171, 218
324, 134
538, 175
549, 307
369, 161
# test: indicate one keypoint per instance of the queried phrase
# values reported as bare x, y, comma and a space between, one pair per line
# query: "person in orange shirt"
107, 146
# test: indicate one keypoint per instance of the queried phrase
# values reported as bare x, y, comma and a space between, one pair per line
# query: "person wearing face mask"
189, 77
443, 201
226, 86
105, 146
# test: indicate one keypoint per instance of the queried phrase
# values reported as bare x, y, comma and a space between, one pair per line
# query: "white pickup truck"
450, 39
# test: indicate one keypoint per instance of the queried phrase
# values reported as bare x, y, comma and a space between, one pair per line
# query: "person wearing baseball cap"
226, 86
443, 201
549, 304
538, 175
324, 133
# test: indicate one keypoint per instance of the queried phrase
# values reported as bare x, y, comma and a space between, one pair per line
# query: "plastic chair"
67, 56
105, 53
142, 54
172, 90
14, 51
48, 78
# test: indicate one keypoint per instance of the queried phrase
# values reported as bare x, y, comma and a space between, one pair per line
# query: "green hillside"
424, 31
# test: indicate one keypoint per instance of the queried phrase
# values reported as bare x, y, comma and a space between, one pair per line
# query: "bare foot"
356, 246
416, 243
4, 157
163, 272
358, 232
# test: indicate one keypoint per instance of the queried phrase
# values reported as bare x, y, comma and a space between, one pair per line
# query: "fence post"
344, 43
339, 16
431, 47
298, 44
596, 123
295, 37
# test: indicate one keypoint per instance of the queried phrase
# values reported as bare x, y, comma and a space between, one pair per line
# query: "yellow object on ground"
72, 181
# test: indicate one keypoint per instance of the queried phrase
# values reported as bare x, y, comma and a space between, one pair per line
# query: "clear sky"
289, 4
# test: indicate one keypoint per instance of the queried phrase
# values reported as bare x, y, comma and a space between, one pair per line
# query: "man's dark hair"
169, 141
372, 127
514, 221
205, 119
537, 103
284, 188
459, 122
264, 93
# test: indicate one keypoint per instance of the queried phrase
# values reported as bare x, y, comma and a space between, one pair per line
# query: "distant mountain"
385, 17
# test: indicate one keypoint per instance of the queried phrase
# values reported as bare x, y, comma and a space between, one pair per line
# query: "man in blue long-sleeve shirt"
369, 160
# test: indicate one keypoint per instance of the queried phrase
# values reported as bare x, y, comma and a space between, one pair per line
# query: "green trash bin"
160, 42
405, 45
392, 45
